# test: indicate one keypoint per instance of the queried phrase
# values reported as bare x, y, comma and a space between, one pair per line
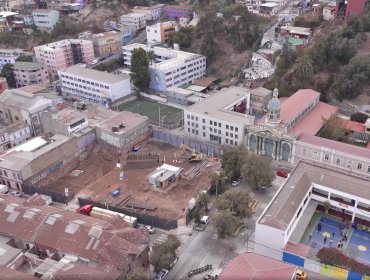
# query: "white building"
10, 55
220, 118
135, 21
159, 33
45, 19
309, 186
171, 67
93, 85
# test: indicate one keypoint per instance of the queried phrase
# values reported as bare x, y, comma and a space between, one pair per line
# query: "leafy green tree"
359, 117
163, 254
219, 183
25, 58
333, 129
235, 200
257, 171
304, 66
225, 222
8, 72
151, 57
183, 37
233, 159
201, 206
140, 74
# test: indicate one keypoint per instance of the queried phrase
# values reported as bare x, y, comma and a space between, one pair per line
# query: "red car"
282, 173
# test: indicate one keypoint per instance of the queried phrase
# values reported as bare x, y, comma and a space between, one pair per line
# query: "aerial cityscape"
184, 139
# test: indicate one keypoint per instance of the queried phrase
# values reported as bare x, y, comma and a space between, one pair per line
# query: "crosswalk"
161, 239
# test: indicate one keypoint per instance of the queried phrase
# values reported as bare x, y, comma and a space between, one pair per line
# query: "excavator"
194, 156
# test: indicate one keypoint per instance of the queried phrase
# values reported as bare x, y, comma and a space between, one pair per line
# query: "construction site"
123, 180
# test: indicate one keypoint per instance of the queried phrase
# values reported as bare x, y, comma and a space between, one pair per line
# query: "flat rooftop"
297, 30
215, 106
260, 91
179, 90
287, 201
27, 66
127, 119
94, 75
69, 116
175, 57
63, 43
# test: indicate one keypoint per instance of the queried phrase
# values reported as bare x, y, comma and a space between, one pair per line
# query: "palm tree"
327, 206
304, 67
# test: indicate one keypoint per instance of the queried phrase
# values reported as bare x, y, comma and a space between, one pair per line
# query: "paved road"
202, 248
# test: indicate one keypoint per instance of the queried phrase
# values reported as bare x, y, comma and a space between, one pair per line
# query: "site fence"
56, 196
177, 140
141, 217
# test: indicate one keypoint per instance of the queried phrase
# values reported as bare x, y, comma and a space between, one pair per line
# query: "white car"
236, 182
161, 275
95, 61
150, 229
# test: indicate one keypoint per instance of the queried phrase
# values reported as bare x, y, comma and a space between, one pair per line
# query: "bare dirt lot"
101, 177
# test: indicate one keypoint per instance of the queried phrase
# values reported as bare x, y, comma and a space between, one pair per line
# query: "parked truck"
105, 214
203, 223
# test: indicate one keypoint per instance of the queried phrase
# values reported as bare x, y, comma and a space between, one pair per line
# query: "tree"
8, 72
257, 171
225, 222
234, 200
183, 37
304, 66
233, 159
151, 57
327, 206
139, 274
25, 58
333, 129
140, 74
359, 117
163, 254
219, 183
201, 206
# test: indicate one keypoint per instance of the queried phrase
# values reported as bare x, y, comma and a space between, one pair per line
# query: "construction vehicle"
194, 156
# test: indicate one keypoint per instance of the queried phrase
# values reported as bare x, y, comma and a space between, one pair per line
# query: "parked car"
95, 61
150, 229
264, 190
236, 182
16, 193
161, 275
173, 263
282, 173
300, 274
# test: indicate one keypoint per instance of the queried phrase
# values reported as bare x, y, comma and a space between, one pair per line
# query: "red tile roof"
12, 274
296, 104
106, 242
251, 266
299, 249
312, 122
352, 125
335, 145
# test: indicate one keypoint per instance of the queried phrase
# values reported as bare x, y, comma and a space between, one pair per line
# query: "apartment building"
28, 73
61, 54
159, 33
13, 135
45, 19
134, 21
171, 67
220, 118
10, 55
151, 13
17, 105
3, 84
106, 43
96, 86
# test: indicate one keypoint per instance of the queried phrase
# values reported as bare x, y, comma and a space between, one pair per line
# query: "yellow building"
106, 43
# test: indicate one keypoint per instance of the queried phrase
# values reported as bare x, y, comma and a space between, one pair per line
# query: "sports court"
356, 246
156, 112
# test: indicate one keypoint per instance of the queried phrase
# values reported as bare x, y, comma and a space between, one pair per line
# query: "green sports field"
168, 115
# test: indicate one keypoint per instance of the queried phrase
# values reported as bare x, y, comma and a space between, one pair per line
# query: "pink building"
3, 84
28, 73
62, 54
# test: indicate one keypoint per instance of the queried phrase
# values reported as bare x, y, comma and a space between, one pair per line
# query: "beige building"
151, 13
28, 73
259, 100
106, 43
134, 21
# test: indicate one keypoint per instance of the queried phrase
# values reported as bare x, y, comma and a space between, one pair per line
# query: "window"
227, 133
204, 134
227, 126
368, 169
204, 121
349, 164
192, 117
304, 152
231, 135
337, 161
227, 141
236, 136
210, 122
231, 142
359, 166
231, 128
188, 123
219, 124
236, 129
326, 157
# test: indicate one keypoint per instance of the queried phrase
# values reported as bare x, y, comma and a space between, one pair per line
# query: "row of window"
83, 81
214, 123
79, 92
14, 175
84, 87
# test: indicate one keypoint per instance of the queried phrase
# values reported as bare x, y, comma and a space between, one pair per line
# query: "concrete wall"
50, 125
86, 139
269, 241
50, 161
